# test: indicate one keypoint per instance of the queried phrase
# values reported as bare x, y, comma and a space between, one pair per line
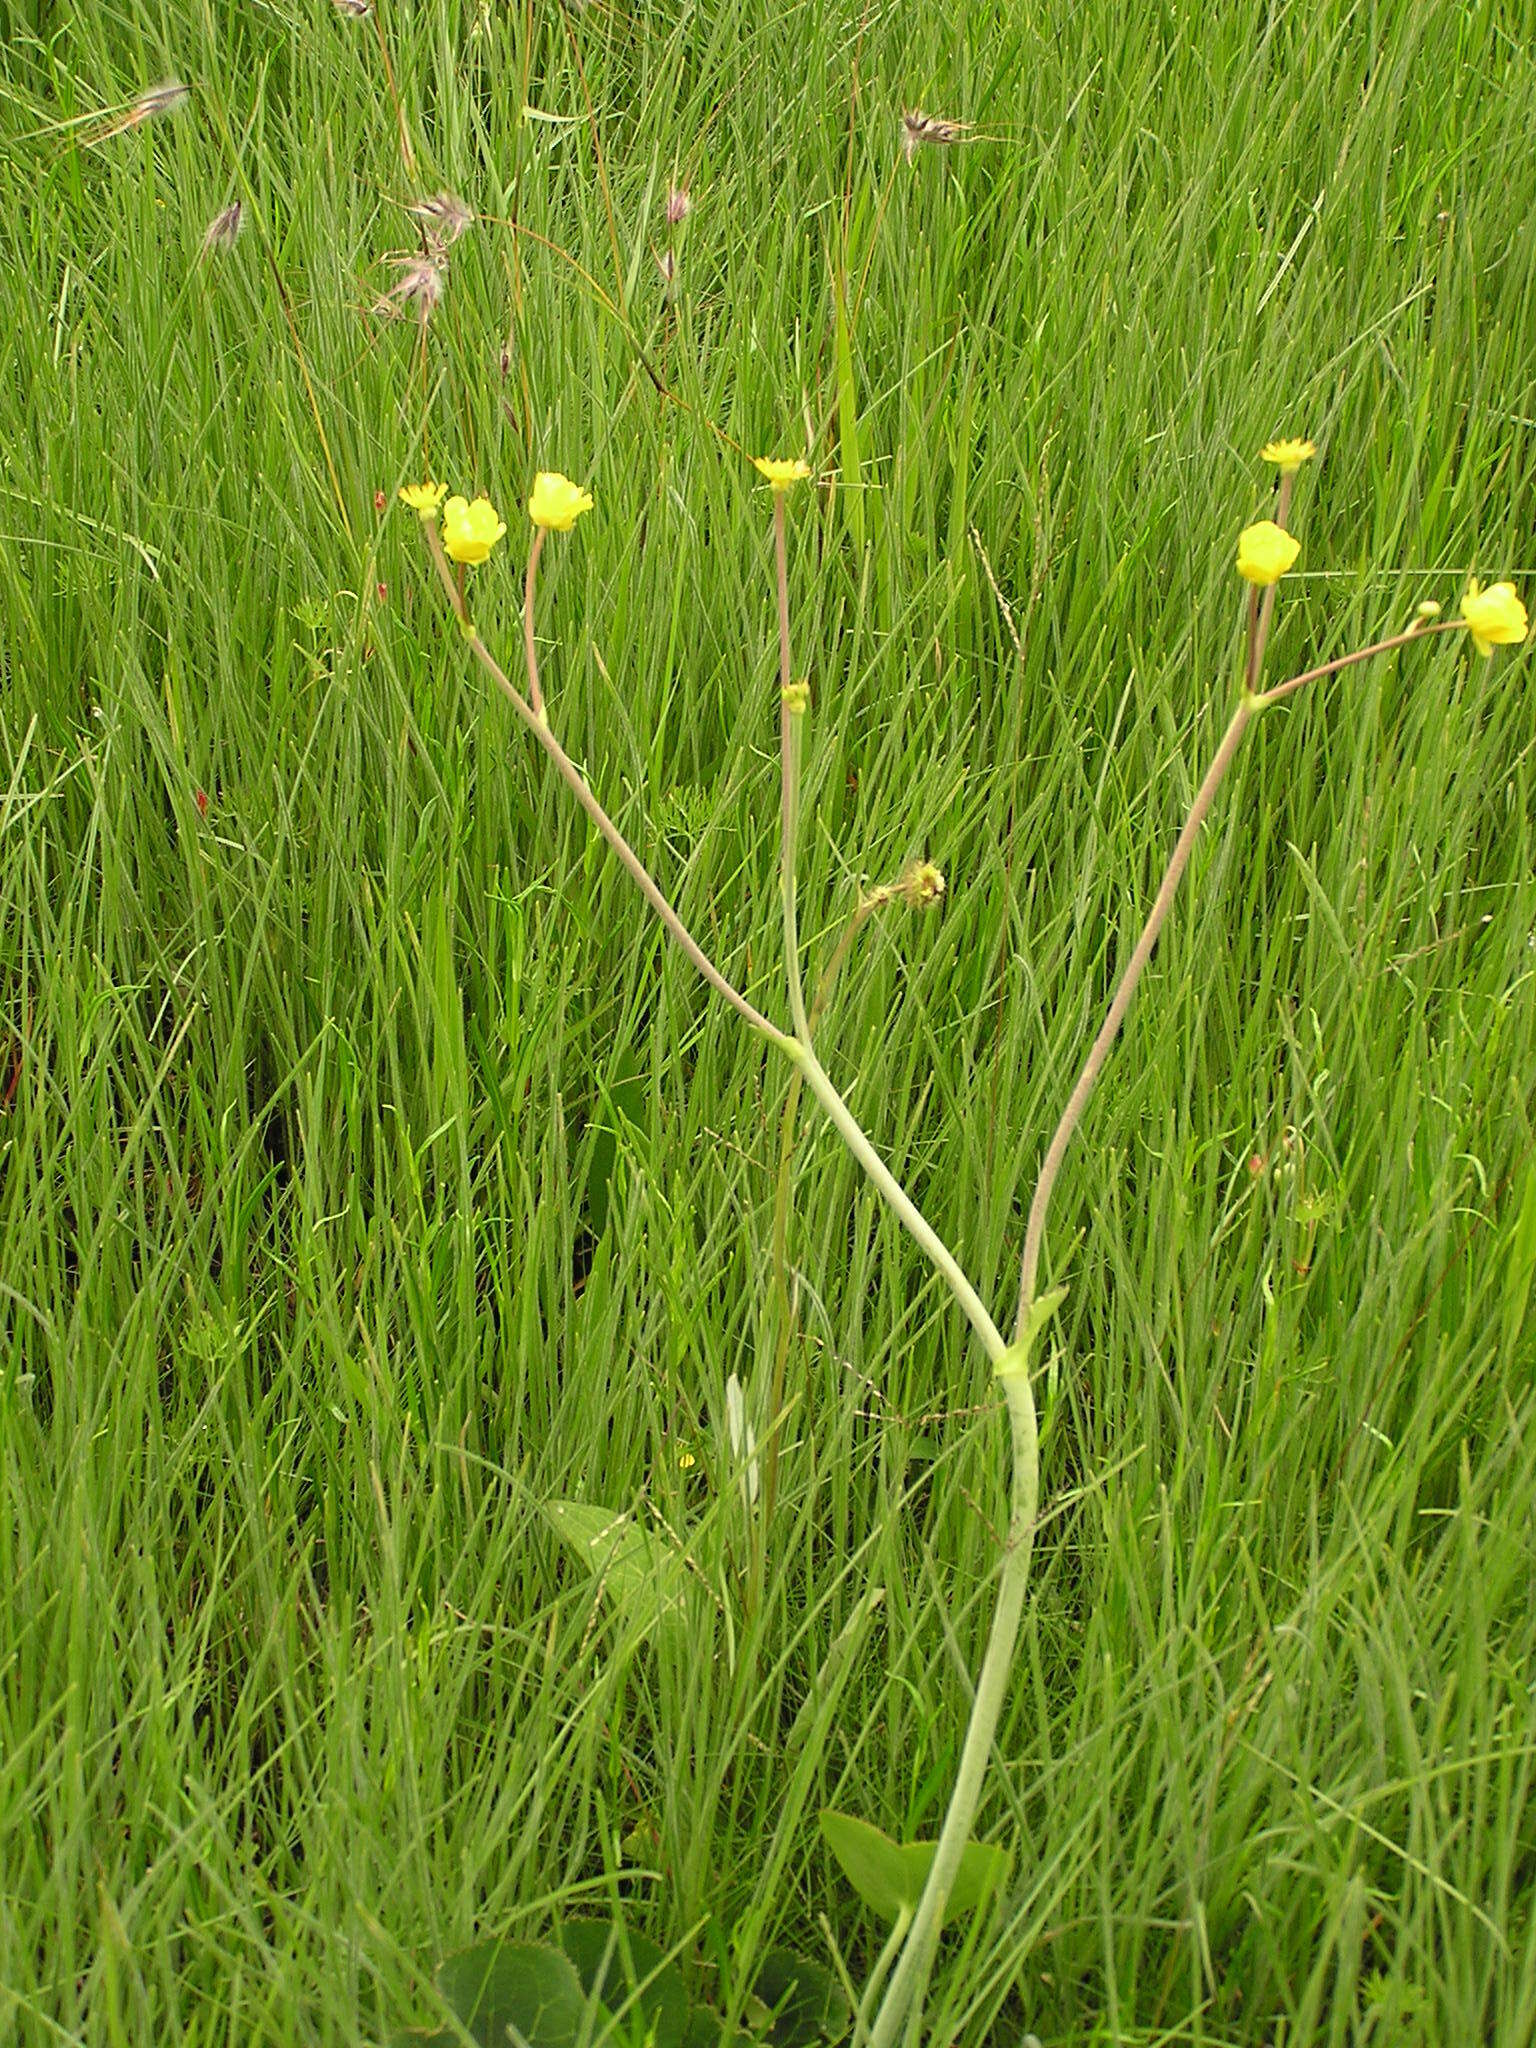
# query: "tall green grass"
370, 1173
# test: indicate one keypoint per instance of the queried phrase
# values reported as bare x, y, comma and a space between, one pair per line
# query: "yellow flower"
423, 498
1288, 456
781, 474
1496, 616
1264, 552
471, 531
557, 503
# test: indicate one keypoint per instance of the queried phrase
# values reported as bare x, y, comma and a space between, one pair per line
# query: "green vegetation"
381, 1195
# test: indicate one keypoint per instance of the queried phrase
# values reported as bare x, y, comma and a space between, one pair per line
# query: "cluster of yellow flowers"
1495, 617
470, 531
1265, 551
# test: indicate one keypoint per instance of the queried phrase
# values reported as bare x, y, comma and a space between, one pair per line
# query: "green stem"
903, 2001
577, 783
883, 1961
928, 1239
1034, 1231
791, 734
530, 651
787, 1129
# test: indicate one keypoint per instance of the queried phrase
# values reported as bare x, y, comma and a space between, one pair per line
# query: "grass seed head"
420, 286
160, 99
918, 128
223, 230
444, 217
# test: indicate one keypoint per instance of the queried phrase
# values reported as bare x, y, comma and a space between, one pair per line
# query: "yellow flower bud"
781, 474
1264, 552
471, 531
557, 503
423, 498
796, 696
1288, 456
1428, 609
1495, 615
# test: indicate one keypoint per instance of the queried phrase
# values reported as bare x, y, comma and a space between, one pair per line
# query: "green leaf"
623, 1116
848, 416
889, 1876
511, 1993
614, 1965
631, 1563
808, 2003
704, 2031
1040, 1311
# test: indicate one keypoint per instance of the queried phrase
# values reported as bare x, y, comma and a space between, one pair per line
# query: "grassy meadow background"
372, 1174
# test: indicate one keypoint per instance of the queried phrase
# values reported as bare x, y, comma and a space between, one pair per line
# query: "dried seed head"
421, 286
445, 217
918, 128
223, 229
921, 885
160, 99
357, 9
679, 206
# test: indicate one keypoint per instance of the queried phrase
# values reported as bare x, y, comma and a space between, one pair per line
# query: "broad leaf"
889, 1876
614, 1964
511, 1993
630, 1562
807, 2002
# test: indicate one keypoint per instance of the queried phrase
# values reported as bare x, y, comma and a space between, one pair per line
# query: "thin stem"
883, 1961
572, 776
1417, 631
787, 1128
1251, 666
903, 2001
446, 577
791, 732
407, 154
530, 653
938, 1253
1099, 1052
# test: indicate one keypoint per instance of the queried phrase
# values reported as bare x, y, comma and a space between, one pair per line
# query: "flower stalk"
1267, 551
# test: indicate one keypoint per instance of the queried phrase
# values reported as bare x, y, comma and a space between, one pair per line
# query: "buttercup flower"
781, 474
556, 502
1264, 552
1288, 456
471, 531
422, 498
1495, 615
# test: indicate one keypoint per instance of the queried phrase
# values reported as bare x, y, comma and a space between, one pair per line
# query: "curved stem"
938, 1253
904, 1995
787, 1128
577, 783
1121, 1002
1331, 668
